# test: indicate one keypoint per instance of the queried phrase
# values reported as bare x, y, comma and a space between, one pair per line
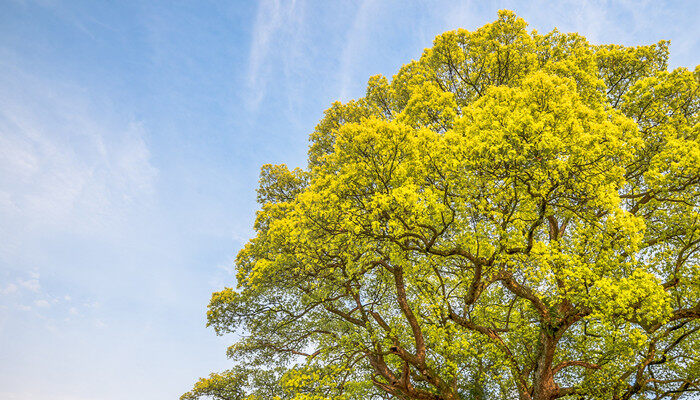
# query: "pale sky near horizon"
131, 137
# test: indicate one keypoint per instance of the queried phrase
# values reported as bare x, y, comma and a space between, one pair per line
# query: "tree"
512, 216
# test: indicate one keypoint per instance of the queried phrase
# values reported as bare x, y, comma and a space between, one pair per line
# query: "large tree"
512, 216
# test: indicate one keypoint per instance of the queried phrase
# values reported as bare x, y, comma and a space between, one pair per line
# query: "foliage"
514, 215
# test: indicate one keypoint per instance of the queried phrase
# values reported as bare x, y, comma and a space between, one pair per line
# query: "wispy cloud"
357, 39
463, 14
65, 165
42, 303
30, 284
25, 295
267, 23
9, 288
276, 21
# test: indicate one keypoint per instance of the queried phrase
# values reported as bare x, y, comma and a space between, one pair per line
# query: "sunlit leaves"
511, 215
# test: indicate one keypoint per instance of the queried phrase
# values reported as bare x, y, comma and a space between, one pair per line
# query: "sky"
131, 139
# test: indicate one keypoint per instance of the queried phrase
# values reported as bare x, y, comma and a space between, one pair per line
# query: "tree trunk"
543, 386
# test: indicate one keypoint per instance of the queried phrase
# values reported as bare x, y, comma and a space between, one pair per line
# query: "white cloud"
224, 274
356, 40
463, 14
92, 305
10, 288
42, 303
66, 165
267, 22
275, 23
31, 284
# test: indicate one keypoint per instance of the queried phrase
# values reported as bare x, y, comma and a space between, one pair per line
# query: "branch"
524, 292
566, 364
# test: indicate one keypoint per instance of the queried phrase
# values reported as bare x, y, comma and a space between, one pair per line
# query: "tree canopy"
515, 215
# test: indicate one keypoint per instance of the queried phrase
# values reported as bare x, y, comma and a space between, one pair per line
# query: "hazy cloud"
64, 164
276, 29
42, 303
356, 40
30, 284
10, 288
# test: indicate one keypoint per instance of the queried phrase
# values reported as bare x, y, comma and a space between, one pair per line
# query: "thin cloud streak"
274, 22
357, 39
267, 22
64, 167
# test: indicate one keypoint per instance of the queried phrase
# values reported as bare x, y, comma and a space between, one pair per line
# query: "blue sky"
131, 137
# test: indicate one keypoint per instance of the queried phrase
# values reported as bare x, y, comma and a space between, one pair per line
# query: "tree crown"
513, 215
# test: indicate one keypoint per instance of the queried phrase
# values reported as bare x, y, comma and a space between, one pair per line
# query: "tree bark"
543, 386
